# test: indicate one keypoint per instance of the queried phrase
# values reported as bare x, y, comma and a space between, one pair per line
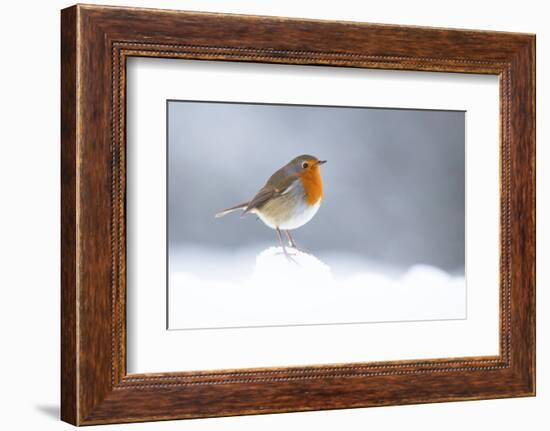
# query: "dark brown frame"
95, 43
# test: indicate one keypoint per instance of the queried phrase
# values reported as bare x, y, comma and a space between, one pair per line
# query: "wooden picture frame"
95, 43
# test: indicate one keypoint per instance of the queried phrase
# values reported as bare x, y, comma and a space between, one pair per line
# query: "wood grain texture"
96, 41
69, 364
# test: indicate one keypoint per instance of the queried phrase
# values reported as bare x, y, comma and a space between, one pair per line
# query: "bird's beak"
321, 162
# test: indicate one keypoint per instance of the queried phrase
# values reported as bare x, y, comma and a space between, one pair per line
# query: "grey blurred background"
394, 181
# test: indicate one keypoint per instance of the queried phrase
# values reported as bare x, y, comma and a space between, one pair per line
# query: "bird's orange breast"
313, 184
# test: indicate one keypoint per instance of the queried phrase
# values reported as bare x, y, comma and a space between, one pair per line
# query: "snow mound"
272, 265
271, 289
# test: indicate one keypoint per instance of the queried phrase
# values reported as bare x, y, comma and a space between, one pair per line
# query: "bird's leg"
281, 240
291, 240
293, 243
287, 255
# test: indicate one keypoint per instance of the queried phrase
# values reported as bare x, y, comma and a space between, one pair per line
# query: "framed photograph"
385, 218
264, 215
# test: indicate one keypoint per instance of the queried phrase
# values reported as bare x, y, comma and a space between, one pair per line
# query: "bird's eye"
305, 165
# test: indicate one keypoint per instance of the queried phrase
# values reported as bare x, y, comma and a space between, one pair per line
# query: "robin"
289, 199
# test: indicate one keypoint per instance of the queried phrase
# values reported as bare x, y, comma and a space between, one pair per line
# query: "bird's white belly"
297, 218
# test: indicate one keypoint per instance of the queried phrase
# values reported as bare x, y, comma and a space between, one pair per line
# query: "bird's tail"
230, 210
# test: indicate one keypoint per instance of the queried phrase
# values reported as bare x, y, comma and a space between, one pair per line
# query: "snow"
297, 268
209, 290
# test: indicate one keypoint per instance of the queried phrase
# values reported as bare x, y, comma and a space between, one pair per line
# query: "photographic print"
293, 219
282, 215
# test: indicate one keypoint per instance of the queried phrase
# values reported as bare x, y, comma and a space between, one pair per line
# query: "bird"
289, 199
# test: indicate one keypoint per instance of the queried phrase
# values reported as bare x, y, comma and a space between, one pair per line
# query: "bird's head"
304, 164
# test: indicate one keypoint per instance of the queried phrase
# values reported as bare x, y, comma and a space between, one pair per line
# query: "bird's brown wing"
273, 188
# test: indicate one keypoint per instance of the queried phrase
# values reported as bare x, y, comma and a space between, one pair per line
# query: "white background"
151, 348
29, 226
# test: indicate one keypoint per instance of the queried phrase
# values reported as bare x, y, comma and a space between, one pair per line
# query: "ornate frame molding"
96, 41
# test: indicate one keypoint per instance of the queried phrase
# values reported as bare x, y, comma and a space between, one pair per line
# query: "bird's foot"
288, 256
298, 249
